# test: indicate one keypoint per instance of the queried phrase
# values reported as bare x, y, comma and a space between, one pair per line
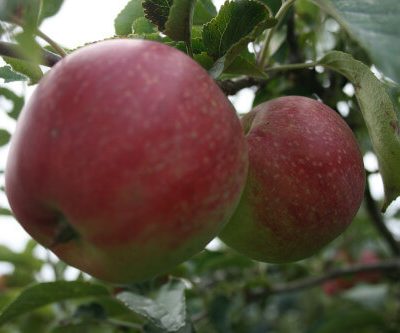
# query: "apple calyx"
64, 232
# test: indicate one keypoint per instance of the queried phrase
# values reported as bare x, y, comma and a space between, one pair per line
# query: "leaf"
142, 26
245, 66
167, 311
204, 11
179, 24
237, 24
125, 19
18, 102
172, 17
5, 211
375, 25
157, 11
379, 115
351, 318
49, 8
36, 296
9, 75
4, 137
32, 71
21, 260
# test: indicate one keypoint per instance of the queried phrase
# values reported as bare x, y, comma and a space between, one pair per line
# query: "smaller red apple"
305, 181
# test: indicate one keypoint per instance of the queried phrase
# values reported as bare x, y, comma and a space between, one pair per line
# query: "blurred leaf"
180, 18
49, 8
4, 137
9, 75
125, 19
92, 327
36, 296
18, 102
142, 26
21, 260
219, 313
5, 211
237, 24
167, 311
204, 11
379, 114
374, 24
32, 71
351, 318
22, 12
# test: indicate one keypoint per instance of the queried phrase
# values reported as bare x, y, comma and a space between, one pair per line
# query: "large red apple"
127, 160
305, 182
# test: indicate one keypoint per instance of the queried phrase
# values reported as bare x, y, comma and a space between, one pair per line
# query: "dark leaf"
36, 296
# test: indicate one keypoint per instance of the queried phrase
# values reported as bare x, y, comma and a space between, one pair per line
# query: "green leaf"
9, 75
142, 26
237, 24
172, 17
31, 70
4, 137
179, 24
5, 211
157, 11
21, 11
244, 65
125, 19
36, 296
351, 318
20, 260
49, 8
375, 25
18, 102
379, 115
204, 11
167, 311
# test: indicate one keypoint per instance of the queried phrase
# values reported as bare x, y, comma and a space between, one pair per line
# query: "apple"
127, 160
305, 181
369, 257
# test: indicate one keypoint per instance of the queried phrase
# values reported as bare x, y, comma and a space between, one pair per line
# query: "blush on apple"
127, 160
305, 184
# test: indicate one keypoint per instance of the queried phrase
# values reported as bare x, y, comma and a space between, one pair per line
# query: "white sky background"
77, 23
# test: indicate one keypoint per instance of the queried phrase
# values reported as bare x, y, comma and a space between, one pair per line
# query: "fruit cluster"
128, 159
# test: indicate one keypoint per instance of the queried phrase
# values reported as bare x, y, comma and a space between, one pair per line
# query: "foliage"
321, 48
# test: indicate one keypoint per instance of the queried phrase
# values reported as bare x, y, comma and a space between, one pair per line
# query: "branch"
231, 87
379, 223
310, 282
12, 50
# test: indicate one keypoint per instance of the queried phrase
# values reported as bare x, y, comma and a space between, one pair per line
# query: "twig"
12, 50
292, 66
379, 223
231, 87
310, 282
43, 36
264, 53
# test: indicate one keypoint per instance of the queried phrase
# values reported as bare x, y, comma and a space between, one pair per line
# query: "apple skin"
305, 181
127, 160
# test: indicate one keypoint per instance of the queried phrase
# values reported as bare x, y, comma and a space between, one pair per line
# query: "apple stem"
264, 53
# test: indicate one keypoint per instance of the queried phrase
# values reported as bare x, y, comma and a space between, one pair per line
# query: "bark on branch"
12, 50
387, 266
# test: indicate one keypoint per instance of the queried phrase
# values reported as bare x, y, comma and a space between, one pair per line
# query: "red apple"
127, 160
305, 184
369, 257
